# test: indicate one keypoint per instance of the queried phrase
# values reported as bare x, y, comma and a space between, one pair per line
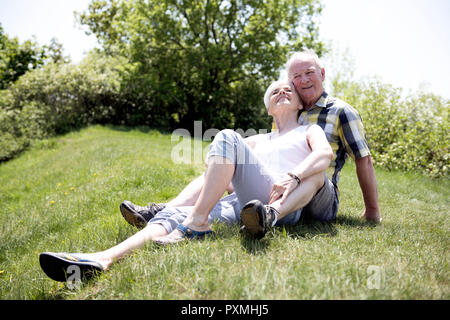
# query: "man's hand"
372, 215
282, 189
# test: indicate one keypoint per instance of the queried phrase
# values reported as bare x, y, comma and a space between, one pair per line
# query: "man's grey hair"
301, 55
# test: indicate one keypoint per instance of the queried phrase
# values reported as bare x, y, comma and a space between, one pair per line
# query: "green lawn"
64, 195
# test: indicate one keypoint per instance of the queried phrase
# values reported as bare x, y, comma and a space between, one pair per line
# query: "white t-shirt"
282, 153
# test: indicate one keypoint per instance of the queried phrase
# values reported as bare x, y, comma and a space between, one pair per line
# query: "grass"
64, 194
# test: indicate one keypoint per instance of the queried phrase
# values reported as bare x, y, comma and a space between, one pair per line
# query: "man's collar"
322, 102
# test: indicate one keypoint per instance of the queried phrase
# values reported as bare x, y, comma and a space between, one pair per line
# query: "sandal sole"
57, 268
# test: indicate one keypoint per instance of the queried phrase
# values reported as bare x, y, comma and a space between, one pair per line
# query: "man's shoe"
139, 216
257, 218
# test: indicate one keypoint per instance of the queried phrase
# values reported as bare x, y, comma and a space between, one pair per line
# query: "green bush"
20, 127
57, 99
404, 133
77, 95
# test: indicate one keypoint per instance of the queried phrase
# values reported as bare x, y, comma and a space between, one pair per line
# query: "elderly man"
341, 123
344, 131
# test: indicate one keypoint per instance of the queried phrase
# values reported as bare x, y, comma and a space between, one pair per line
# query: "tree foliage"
190, 60
18, 58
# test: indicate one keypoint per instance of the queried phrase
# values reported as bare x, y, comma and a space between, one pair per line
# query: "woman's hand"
282, 189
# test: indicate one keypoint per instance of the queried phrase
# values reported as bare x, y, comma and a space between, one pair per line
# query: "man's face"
307, 78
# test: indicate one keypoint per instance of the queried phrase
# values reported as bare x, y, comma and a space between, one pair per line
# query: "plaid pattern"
343, 128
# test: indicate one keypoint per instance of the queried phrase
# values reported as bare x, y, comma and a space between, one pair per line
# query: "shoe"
139, 216
257, 218
60, 266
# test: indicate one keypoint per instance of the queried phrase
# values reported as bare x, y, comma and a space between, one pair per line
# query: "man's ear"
322, 72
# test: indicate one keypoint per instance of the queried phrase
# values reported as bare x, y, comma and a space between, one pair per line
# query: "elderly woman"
263, 169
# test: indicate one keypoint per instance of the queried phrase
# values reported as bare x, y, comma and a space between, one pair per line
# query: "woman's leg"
217, 178
300, 196
230, 159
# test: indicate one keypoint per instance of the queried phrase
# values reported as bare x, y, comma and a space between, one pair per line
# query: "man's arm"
368, 183
352, 135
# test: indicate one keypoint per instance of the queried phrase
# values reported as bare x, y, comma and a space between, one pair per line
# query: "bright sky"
405, 42
47, 19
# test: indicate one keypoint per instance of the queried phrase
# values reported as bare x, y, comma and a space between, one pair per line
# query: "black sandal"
58, 266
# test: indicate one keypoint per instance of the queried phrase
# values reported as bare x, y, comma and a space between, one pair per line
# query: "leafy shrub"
77, 95
404, 133
56, 99
19, 127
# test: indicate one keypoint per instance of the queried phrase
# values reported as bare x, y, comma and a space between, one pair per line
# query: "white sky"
405, 42
47, 19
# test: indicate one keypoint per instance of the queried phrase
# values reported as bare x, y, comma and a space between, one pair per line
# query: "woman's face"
283, 96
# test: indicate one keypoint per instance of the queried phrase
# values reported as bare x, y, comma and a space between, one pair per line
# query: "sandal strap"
189, 233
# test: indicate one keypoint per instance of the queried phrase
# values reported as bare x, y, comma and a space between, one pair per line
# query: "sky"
404, 42
47, 19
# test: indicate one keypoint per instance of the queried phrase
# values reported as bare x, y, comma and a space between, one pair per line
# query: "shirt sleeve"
351, 133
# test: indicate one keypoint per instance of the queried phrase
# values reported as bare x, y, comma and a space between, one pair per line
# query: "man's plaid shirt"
343, 127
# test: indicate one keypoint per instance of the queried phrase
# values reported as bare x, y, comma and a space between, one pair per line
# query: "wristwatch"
294, 176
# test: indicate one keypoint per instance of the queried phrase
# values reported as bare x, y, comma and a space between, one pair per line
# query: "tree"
189, 58
16, 59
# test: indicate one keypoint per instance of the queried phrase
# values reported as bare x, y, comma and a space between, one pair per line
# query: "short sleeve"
351, 133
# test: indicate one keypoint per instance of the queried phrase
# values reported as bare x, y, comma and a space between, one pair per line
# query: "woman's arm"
317, 161
321, 153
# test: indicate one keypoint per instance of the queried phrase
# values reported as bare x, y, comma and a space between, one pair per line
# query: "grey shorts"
324, 205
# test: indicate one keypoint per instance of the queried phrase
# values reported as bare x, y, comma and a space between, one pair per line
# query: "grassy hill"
64, 194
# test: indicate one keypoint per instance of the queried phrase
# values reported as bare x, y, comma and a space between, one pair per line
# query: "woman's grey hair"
301, 55
272, 87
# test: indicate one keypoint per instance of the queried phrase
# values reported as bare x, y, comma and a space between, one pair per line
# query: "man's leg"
300, 196
316, 199
107, 257
324, 205
55, 264
258, 218
139, 216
